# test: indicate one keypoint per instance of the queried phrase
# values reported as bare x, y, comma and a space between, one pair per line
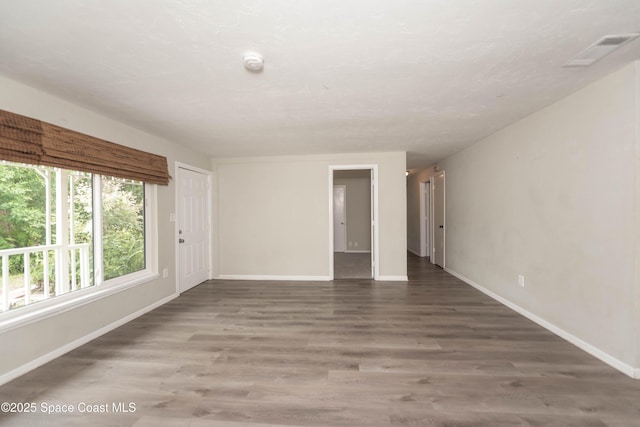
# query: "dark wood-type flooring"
430, 352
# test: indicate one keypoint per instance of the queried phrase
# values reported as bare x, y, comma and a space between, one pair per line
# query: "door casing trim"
375, 250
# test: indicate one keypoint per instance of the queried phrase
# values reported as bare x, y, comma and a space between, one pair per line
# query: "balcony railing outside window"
37, 284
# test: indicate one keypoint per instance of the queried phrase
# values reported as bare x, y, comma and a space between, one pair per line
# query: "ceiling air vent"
599, 49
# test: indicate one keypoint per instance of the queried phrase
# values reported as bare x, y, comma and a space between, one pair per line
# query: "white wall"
34, 342
273, 214
358, 208
554, 198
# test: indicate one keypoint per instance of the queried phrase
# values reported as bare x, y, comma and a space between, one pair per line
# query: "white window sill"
52, 307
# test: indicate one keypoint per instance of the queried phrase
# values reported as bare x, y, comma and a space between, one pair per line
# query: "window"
64, 231
122, 227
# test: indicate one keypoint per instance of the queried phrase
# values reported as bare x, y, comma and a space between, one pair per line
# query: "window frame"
150, 239
100, 289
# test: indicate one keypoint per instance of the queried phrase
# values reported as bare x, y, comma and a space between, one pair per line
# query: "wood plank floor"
352, 265
430, 352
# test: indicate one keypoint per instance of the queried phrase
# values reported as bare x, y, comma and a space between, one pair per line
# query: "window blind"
27, 140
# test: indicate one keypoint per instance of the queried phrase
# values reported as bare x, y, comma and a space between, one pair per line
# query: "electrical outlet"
165, 273
350, 244
356, 244
521, 280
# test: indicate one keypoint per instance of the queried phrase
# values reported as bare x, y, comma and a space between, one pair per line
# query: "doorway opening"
426, 215
353, 249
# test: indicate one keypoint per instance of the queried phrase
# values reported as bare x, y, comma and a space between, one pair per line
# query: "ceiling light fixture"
600, 49
253, 61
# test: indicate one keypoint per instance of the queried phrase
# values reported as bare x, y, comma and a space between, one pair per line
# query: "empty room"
339, 213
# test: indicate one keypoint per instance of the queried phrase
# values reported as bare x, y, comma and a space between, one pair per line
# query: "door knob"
180, 240
442, 226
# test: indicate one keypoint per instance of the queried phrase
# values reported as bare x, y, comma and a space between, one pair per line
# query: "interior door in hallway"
439, 220
425, 220
193, 225
339, 219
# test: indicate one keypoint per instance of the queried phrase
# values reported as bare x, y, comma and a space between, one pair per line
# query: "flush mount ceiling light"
599, 49
253, 61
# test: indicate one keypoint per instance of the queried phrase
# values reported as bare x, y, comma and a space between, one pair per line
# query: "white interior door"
425, 213
193, 228
439, 220
339, 219
374, 222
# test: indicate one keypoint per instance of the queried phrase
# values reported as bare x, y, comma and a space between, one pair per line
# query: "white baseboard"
21, 370
300, 278
273, 277
583, 345
392, 279
356, 252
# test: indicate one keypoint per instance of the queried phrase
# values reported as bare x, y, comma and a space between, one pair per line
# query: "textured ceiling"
424, 76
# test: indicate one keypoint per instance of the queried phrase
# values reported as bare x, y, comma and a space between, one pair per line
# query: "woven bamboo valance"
27, 140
